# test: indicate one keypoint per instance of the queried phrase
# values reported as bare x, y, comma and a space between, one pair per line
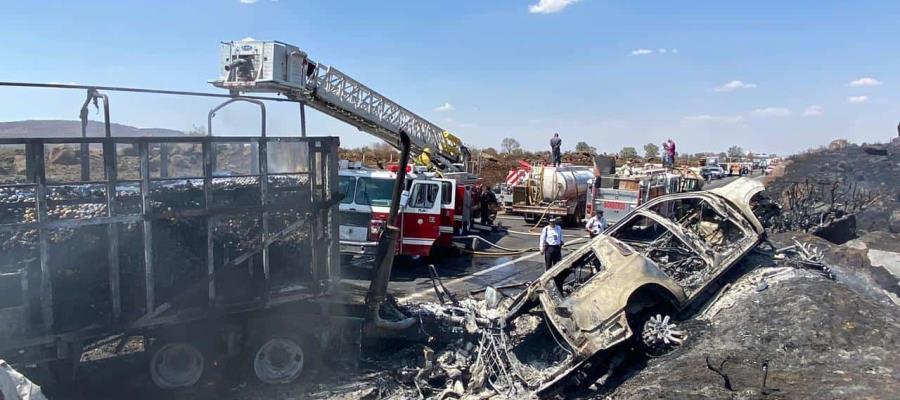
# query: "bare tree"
510, 145
735, 151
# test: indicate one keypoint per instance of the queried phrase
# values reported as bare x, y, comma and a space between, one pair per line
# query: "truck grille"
355, 218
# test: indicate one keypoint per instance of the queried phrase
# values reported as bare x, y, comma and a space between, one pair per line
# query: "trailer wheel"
176, 365
278, 359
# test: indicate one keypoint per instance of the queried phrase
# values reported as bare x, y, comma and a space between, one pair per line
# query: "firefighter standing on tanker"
555, 149
551, 243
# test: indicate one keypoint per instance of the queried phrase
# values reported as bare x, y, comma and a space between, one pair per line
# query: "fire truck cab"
434, 209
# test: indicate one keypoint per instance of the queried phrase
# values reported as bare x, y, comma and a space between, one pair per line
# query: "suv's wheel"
659, 334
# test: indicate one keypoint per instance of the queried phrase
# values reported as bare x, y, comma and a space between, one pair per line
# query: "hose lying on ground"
510, 252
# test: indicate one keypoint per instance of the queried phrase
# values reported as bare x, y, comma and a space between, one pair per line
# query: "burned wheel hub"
660, 334
176, 365
278, 360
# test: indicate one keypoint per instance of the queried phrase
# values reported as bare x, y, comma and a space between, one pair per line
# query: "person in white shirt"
551, 243
596, 224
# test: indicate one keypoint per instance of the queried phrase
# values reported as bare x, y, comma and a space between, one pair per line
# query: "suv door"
421, 218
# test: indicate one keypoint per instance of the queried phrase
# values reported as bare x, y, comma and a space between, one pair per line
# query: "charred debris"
640, 292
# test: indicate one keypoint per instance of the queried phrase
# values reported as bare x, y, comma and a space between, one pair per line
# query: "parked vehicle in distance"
618, 195
712, 172
553, 191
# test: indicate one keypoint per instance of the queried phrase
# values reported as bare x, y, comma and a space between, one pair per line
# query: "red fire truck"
436, 209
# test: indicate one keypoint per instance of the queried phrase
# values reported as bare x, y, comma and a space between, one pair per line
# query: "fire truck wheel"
279, 357
176, 364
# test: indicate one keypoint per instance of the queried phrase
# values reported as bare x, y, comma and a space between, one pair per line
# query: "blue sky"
770, 76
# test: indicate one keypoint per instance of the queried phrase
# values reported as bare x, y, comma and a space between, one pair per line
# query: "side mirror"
404, 198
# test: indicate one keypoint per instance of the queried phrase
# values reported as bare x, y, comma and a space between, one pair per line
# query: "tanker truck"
553, 191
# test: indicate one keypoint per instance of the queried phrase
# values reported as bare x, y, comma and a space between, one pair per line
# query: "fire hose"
505, 251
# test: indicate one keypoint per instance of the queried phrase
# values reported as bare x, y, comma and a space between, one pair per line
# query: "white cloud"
735, 85
550, 6
857, 99
248, 1
813, 111
865, 81
444, 107
248, 39
715, 118
661, 50
772, 112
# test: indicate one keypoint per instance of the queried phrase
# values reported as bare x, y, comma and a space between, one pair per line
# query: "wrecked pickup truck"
658, 263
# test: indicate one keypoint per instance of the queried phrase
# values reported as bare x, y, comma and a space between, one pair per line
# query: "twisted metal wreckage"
624, 290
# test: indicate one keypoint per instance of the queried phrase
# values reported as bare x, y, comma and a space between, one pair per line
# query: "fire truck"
439, 202
437, 208
618, 194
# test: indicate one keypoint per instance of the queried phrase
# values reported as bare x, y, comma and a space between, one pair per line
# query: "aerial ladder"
276, 67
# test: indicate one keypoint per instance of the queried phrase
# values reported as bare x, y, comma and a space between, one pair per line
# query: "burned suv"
631, 281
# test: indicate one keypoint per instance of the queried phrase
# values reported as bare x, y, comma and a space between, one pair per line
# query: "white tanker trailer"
553, 191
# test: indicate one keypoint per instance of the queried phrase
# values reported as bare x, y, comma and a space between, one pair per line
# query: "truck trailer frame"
94, 256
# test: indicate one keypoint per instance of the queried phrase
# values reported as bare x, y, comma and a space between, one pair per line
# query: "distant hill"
63, 128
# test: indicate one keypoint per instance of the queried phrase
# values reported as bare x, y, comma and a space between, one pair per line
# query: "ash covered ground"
777, 330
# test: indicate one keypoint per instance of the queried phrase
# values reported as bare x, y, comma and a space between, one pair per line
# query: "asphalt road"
461, 274
410, 281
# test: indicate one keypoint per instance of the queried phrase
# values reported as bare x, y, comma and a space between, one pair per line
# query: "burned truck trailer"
197, 247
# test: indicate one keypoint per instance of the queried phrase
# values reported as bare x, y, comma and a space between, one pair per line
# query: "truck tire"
176, 364
279, 356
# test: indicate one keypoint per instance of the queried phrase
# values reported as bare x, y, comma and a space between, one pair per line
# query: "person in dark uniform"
551, 243
556, 149
488, 200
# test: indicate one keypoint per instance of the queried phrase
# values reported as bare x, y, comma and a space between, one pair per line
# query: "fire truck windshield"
374, 192
347, 187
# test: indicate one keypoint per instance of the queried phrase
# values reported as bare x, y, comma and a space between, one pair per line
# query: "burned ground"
780, 333
826, 184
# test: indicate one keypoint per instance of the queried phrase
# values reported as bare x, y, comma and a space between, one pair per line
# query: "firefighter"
488, 200
551, 243
596, 224
556, 149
